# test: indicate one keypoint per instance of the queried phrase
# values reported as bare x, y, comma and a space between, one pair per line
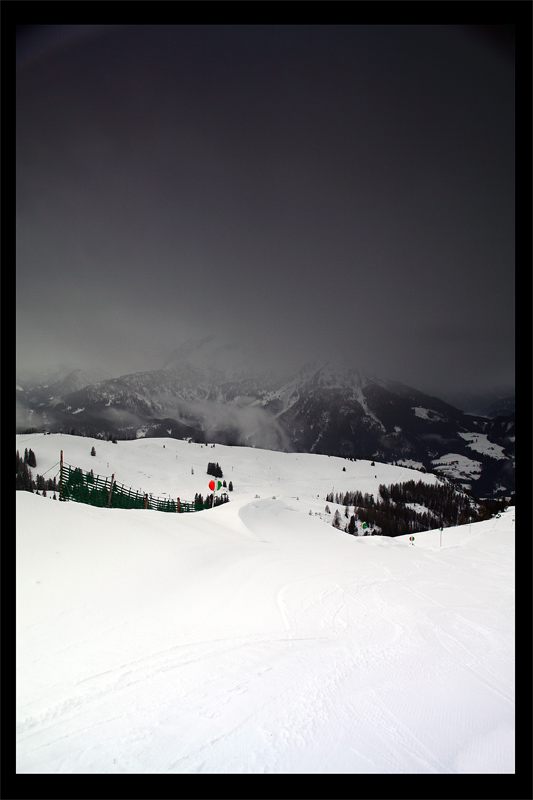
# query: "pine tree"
198, 502
93, 451
28, 484
214, 469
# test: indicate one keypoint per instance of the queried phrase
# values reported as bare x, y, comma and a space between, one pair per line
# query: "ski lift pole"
61, 477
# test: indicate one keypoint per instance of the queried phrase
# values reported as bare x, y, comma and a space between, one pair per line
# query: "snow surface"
253, 637
427, 413
458, 467
480, 443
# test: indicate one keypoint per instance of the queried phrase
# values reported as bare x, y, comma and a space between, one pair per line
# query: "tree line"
391, 513
25, 481
211, 499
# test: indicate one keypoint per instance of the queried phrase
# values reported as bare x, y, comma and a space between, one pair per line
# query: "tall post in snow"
110, 490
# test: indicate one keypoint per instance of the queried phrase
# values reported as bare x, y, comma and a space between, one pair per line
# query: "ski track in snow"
255, 639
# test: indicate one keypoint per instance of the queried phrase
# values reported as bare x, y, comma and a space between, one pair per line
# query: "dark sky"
301, 188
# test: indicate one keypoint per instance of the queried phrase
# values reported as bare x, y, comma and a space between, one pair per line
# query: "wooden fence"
95, 490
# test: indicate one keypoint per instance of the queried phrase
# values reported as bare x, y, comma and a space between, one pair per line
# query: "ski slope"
254, 637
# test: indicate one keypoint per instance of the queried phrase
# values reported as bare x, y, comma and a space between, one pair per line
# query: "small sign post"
440, 543
412, 539
214, 486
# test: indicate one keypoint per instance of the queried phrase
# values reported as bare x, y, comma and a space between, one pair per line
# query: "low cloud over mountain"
209, 392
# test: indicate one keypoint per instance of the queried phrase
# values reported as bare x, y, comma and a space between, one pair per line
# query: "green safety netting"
85, 487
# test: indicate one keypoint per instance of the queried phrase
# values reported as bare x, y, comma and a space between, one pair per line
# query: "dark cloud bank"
301, 189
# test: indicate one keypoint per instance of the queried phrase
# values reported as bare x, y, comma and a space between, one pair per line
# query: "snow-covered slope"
253, 637
178, 468
210, 391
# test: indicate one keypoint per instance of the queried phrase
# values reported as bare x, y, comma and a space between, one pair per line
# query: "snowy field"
254, 637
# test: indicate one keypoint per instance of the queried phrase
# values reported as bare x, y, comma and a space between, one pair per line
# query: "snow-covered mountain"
212, 392
38, 392
58, 379
339, 410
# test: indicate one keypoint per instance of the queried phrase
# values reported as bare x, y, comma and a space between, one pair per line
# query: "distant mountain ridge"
488, 404
212, 393
502, 407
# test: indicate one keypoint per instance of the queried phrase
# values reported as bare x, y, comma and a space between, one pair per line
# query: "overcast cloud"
301, 188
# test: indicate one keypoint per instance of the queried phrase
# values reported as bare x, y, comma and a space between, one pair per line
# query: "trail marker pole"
440, 544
